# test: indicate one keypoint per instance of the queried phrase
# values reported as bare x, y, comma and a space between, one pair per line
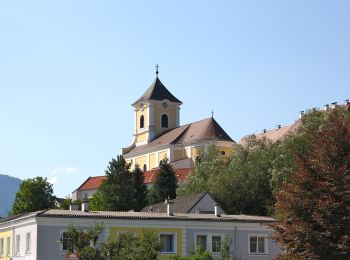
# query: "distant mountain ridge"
8, 188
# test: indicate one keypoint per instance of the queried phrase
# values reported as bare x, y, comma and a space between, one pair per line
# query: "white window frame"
8, 246
266, 251
196, 242
28, 243
2, 248
211, 241
175, 242
62, 251
17, 244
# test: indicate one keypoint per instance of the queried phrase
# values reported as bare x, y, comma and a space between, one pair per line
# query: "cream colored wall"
138, 115
180, 154
4, 235
228, 150
141, 161
158, 111
152, 161
141, 138
162, 155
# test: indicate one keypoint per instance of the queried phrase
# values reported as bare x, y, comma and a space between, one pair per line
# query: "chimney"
301, 114
85, 206
278, 127
73, 207
169, 207
334, 104
216, 209
346, 102
264, 130
326, 107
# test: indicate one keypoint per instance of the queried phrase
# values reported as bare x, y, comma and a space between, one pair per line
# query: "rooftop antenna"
212, 113
157, 72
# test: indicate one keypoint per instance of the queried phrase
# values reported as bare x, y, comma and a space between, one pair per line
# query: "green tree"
209, 165
313, 207
115, 190
139, 189
33, 194
165, 184
96, 202
199, 254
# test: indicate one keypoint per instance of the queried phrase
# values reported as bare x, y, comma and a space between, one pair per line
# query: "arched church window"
142, 121
144, 167
164, 121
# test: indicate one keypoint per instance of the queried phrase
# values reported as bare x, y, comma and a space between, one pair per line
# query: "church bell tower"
156, 112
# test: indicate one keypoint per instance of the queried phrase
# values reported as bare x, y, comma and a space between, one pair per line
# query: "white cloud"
53, 180
62, 170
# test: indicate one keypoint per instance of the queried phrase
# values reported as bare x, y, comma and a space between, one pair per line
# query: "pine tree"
114, 192
165, 184
139, 189
313, 208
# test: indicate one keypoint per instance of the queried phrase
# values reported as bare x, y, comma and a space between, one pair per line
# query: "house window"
257, 244
28, 243
142, 121
164, 121
1, 247
17, 244
8, 246
216, 244
201, 241
167, 243
66, 243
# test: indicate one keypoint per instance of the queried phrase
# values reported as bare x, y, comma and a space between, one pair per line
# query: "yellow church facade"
158, 133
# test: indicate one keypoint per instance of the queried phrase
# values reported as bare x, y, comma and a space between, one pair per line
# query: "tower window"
144, 167
142, 121
164, 121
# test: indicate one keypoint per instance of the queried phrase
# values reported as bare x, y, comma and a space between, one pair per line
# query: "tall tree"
115, 190
313, 207
139, 189
165, 184
33, 194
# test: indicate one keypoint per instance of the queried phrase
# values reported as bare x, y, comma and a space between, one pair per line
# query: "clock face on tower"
164, 105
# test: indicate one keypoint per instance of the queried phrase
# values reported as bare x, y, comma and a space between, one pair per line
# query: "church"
158, 133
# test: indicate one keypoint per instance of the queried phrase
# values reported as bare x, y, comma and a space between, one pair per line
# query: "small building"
88, 188
199, 203
35, 236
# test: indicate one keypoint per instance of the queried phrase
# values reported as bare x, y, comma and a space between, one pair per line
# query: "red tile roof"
181, 174
93, 183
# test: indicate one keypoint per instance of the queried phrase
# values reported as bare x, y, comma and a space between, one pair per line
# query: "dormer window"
142, 121
164, 121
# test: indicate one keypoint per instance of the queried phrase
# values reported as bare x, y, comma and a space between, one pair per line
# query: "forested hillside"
8, 188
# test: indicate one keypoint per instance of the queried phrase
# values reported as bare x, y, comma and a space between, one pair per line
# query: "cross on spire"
157, 72
212, 113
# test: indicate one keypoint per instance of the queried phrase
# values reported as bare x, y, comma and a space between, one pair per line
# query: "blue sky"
69, 71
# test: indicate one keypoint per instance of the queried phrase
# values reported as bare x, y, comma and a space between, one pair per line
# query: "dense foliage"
126, 246
165, 184
247, 181
33, 194
122, 190
313, 207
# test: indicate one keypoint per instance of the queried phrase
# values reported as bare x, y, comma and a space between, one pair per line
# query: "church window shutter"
142, 121
164, 121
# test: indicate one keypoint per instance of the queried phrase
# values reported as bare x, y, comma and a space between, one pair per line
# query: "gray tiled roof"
157, 91
181, 204
153, 215
204, 130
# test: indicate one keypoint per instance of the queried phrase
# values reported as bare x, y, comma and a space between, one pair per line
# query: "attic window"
164, 121
223, 153
142, 121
